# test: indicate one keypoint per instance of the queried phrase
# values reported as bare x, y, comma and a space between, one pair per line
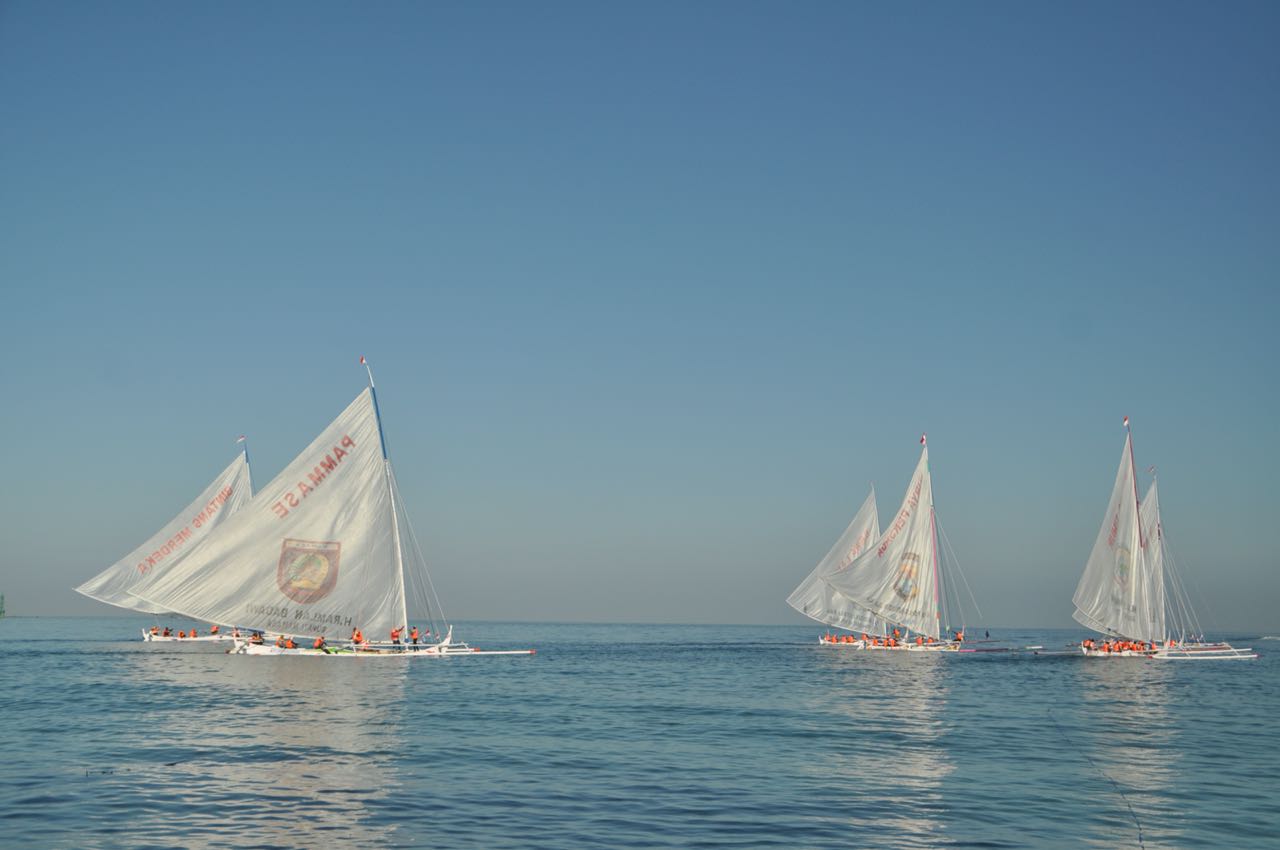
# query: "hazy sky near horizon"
654, 291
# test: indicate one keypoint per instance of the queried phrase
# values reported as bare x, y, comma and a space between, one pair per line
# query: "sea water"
629, 736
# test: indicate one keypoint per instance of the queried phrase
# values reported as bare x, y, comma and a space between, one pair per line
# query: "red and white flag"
240, 439
1126, 422
363, 363
922, 440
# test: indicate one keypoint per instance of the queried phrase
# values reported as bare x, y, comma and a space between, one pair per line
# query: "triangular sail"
816, 599
896, 579
1153, 533
170, 546
313, 554
1115, 594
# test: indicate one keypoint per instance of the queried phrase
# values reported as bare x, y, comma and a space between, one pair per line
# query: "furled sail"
171, 545
816, 599
1115, 594
314, 553
896, 578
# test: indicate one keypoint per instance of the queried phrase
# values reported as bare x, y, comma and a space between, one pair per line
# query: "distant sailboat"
1122, 592
897, 579
323, 550
169, 546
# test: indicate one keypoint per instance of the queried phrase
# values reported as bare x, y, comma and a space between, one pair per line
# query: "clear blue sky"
652, 291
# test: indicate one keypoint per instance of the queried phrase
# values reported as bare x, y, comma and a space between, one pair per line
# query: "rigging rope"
1103, 773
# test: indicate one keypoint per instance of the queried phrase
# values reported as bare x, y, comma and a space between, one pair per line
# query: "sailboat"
323, 551
896, 579
819, 601
171, 545
1122, 592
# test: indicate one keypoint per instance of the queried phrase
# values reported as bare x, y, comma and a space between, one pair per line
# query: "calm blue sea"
628, 736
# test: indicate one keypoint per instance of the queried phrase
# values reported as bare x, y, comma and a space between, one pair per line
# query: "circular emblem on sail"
905, 584
308, 570
1122, 576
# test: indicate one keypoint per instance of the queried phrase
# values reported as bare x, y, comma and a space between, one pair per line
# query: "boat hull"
147, 636
1181, 652
379, 651
946, 646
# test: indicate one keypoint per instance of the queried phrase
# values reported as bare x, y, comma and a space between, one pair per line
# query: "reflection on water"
1130, 738
885, 711
285, 752
627, 737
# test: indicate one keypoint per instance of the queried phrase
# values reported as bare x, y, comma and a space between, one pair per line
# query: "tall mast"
1139, 562
391, 491
1159, 533
1133, 478
244, 441
933, 534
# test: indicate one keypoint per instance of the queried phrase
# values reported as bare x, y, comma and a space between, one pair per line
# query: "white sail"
1153, 534
1115, 594
816, 599
171, 545
314, 553
896, 579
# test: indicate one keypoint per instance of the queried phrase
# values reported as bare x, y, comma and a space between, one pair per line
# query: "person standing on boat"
395, 635
413, 635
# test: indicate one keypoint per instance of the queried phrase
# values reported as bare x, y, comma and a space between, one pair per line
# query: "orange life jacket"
182, 634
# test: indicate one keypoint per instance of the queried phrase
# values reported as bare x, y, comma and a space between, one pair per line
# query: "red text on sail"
293, 497
182, 537
900, 521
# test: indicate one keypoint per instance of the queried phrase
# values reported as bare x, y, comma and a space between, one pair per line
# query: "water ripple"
627, 736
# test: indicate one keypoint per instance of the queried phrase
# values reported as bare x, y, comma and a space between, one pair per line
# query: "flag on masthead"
922, 440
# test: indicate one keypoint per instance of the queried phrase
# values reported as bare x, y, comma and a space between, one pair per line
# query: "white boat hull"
944, 646
1181, 652
379, 650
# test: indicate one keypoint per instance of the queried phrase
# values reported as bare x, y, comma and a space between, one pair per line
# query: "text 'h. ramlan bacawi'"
327, 466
